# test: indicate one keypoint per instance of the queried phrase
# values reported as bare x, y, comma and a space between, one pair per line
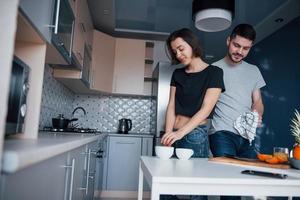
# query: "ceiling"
156, 19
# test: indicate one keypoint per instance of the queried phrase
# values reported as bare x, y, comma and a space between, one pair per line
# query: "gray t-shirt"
240, 81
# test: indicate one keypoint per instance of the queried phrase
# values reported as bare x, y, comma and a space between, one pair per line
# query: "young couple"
220, 92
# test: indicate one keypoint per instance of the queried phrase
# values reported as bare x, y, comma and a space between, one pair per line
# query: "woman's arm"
210, 99
170, 113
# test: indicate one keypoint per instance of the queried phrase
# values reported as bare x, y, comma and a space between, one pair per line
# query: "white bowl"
295, 163
164, 152
183, 153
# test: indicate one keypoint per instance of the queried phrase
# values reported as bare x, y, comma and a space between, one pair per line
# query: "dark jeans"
225, 143
197, 140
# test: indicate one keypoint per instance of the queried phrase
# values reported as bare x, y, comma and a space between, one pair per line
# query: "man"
242, 95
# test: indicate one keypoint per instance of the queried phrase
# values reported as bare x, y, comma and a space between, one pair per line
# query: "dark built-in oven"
18, 90
62, 36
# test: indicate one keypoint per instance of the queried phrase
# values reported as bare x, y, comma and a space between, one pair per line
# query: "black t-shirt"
191, 88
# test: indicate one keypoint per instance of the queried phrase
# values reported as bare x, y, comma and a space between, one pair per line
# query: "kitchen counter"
21, 153
149, 135
198, 176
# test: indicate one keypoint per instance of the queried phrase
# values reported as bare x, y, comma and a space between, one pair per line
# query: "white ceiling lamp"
213, 15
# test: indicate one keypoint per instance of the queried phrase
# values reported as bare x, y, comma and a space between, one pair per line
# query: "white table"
203, 177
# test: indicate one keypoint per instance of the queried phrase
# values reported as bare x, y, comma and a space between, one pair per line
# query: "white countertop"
20, 153
173, 169
202, 177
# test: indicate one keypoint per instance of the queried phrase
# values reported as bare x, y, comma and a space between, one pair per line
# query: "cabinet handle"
72, 166
56, 17
88, 172
72, 36
92, 78
125, 142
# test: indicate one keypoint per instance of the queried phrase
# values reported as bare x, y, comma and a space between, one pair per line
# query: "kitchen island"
203, 177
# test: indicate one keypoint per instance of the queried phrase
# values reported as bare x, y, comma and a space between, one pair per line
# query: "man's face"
238, 48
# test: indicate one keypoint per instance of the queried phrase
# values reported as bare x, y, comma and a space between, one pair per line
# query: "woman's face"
182, 50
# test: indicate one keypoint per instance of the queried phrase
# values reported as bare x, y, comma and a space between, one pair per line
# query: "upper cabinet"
83, 29
129, 66
118, 65
103, 55
77, 76
42, 17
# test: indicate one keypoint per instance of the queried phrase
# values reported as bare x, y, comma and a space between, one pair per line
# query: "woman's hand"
169, 138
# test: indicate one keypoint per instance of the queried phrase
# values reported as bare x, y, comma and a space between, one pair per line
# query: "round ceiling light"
213, 15
213, 20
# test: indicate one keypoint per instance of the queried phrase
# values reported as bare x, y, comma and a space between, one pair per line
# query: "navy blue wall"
278, 57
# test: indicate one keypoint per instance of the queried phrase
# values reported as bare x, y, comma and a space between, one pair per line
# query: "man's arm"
257, 103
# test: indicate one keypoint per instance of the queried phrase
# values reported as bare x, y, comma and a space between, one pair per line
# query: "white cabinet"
125, 150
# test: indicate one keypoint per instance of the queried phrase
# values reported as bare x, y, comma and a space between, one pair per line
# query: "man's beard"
231, 55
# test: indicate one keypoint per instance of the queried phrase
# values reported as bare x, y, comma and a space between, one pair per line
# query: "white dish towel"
246, 125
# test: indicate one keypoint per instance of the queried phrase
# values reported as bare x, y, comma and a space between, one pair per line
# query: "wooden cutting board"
250, 163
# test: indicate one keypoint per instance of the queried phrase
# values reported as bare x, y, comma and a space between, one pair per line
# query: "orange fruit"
296, 152
263, 157
273, 160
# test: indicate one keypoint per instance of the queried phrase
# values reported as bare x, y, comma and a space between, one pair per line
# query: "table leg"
154, 192
141, 182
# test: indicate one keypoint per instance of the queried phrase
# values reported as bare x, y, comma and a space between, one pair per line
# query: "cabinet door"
127, 151
129, 66
79, 31
93, 149
42, 17
103, 55
101, 156
46, 180
77, 178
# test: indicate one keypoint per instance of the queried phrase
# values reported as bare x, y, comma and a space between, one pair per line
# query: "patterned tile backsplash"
56, 99
102, 111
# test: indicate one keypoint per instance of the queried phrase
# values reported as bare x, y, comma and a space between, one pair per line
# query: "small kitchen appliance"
125, 125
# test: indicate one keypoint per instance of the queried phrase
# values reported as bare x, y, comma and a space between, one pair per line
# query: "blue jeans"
226, 143
197, 140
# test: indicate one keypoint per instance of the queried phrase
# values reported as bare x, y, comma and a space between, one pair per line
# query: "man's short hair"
245, 31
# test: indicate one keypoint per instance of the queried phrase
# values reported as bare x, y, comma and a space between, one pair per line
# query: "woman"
194, 92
